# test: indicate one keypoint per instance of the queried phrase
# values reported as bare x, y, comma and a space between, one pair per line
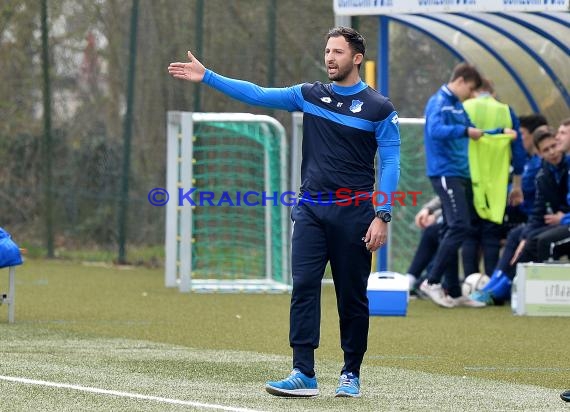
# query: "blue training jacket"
445, 135
343, 128
566, 219
531, 168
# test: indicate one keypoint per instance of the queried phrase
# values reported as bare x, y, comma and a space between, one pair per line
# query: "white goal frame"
178, 236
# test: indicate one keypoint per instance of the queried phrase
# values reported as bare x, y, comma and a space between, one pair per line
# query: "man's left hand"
376, 235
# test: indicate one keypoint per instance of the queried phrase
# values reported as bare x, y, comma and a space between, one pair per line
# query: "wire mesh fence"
77, 206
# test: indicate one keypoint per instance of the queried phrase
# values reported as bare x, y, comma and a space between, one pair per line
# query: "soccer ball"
474, 282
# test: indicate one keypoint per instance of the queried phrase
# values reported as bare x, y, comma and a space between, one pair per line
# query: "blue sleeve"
566, 218
436, 126
388, 138
530, 171
536, 216
517, 148
286, 98
498, 130
532, 167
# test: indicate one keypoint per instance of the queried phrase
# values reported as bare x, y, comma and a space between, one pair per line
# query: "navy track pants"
323, 233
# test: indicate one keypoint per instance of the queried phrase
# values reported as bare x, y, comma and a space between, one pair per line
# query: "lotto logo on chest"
328, 100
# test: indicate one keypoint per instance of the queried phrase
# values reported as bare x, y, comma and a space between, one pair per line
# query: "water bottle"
514, 296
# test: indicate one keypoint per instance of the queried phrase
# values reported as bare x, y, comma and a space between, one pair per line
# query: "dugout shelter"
522, 45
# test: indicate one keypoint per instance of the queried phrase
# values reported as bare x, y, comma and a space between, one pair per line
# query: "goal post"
227, 229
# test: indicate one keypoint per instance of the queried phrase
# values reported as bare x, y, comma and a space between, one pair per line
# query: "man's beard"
340, 75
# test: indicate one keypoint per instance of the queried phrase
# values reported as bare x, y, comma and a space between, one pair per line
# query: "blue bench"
10, 257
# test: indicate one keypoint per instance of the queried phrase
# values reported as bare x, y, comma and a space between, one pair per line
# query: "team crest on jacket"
356, 106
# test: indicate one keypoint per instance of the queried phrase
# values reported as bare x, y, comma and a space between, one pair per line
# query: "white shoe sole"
346, 395
471, 304
435, 298
299, 393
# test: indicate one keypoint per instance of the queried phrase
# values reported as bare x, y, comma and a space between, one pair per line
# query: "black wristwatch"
384, 216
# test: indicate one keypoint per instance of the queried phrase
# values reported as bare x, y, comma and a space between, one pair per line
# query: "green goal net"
404, 235
227, 228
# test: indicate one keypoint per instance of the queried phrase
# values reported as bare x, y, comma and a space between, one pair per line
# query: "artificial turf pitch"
136, 345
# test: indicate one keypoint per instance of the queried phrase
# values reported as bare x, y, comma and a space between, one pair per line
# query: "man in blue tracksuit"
446, 132
345, 123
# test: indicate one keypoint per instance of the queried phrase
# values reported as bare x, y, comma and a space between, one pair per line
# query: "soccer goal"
227, 229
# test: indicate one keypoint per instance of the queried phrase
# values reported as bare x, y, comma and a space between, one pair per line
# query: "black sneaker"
565, 396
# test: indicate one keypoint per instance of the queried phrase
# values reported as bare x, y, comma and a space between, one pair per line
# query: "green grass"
121, 329
148, 256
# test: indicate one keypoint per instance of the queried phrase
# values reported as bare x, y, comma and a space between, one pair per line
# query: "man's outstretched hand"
192, 70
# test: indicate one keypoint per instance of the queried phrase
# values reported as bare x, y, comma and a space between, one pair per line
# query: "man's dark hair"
542, 132
532, 121
354, 39
468, 72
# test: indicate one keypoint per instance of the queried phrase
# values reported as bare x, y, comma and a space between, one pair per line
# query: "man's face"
550, 151
563, 138
339, 59
464, 89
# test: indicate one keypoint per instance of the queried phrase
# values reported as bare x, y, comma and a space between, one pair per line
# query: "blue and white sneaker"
483, 297
348, 386
296, 384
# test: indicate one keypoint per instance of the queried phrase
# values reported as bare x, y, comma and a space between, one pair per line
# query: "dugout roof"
525, 54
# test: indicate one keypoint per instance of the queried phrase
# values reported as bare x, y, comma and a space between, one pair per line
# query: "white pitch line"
513, 369
123, 394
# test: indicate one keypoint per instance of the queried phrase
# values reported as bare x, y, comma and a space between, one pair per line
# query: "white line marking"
513, 369
123, 394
